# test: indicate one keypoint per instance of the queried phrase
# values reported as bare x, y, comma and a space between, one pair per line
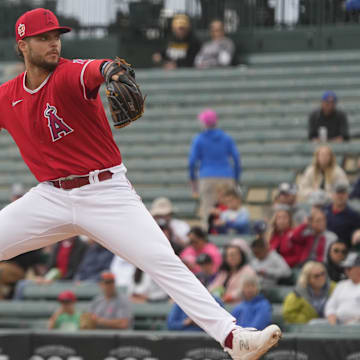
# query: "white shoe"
250, 344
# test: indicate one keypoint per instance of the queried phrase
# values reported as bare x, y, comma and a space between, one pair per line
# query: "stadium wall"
20, 345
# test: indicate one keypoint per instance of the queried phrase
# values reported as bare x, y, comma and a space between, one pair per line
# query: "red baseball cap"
67, 296
37, 21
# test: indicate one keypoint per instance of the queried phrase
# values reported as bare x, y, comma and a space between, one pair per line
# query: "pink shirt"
189, 255
235, 284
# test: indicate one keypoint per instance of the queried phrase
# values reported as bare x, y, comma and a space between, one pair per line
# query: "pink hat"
208, 117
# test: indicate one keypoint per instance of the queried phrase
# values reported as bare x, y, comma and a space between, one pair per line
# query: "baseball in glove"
124, 96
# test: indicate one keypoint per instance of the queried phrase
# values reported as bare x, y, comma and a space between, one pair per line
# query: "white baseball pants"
111, 213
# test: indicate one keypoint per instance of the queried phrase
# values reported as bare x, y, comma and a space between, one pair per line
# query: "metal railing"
150, 17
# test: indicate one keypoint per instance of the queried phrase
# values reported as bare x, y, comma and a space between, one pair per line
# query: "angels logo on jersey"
58, 127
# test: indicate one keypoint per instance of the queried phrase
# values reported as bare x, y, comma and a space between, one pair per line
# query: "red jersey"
60, 128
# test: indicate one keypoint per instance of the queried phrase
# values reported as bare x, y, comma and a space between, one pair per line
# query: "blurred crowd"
309, 240
183, 48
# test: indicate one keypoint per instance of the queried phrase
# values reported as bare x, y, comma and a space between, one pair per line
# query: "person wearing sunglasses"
307, 301
335, 256
343, 305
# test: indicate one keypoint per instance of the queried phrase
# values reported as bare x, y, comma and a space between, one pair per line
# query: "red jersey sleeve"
83, 75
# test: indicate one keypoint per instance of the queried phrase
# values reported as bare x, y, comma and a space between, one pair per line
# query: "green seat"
178, 193
223, 240
323, 329
34, 314
267, 178
277, 316
83, 290
277, 294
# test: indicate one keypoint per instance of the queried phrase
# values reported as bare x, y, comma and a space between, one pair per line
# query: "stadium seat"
277, 293
82, 290
265, 109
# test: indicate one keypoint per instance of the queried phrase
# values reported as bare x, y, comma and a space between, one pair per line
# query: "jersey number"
58, 127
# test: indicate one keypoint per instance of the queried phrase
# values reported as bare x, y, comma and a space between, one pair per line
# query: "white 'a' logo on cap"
21, 30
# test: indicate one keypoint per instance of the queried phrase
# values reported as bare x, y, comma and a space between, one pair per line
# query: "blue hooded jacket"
211, 152
254, 313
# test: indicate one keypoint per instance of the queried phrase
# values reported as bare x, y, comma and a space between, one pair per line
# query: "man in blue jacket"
255, 310
214, 159
341, 218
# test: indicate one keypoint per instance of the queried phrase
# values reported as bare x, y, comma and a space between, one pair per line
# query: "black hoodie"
182, 51
336, 272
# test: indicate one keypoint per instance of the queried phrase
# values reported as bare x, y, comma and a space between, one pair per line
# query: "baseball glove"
124, 96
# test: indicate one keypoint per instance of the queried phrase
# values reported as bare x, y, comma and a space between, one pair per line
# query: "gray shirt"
274, 267
117, 307
215, 53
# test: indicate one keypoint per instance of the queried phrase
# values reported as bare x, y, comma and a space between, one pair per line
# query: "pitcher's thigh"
31, 222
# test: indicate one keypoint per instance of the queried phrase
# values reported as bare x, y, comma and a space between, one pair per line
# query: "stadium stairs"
263, 105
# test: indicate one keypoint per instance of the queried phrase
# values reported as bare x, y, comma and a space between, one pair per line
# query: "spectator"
352, 5
214, 153
219, 207
177, 319
236, 219
96, 260
336, 255
268, 264
199, 245
323, 174
259, 229
355, 192
286, 199
343, 305
219, 51
123, 272
328, 123
145, 289
16, 269
182, 45
228, 284
286, 194
355, 241
318, 198
167, 230
254, 311
65, 318
278, 236
65, 259
311, 240
207, 273
341, 218
162, 208
110, 310
67, 256
244, 246
308, 299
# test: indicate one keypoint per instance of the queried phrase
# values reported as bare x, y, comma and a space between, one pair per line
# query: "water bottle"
323, 134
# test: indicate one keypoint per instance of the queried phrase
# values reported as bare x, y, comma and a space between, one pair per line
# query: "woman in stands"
277, 235
335, 256
307, 301
228, 284
322, 174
